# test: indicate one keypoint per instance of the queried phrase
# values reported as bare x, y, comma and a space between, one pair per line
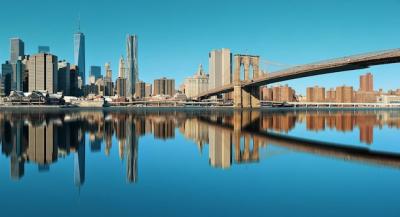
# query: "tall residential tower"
131, 68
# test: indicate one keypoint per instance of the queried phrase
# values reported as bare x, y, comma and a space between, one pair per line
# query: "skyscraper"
79, 54
132, 73
64, 84
17, 55
108, 84
95, 71
121, 68
43, 72
220, 68
6, 74
17, 49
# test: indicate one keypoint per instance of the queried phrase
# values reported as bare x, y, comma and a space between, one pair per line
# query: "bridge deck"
318, 68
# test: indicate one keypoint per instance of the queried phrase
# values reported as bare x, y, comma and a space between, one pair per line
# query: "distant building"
267, 94
365, 97
330, 95
17, 78
315, 94
220, 68
140, 90
43, 49
196, 84
366, 92
6, 74
121, 67
164, 86
95, 71
344, 94
367, 83
17, 49
43, 72
283, 94
79, 55
63, 77
108, 84
389, 99
121, 87
131, 69
148, 90
73, 81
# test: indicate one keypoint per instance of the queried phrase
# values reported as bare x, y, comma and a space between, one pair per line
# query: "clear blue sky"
175, 36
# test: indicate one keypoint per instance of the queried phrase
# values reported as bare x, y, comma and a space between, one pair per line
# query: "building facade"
17, 49
43, 72
315, 94
164, 86
6, 74
140, 90
95, 71
344, 94
330, 95
131, 69
79, 55
367, 83
220, 68
196, 84
148, 90
121, 87
64, 79
108, 83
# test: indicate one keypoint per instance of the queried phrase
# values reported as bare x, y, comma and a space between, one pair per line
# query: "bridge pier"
246, 97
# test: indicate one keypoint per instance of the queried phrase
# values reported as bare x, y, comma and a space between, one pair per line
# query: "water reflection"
232, 137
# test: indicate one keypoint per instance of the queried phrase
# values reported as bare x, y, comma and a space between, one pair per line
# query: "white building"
388, 99
196, 84
220, 68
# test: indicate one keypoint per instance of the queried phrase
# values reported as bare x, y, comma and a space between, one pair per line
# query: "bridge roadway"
327, 149
318, 68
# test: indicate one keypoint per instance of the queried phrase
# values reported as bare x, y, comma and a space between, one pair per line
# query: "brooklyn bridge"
245, 86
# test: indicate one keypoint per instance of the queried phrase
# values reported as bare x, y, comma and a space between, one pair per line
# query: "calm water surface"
200, 163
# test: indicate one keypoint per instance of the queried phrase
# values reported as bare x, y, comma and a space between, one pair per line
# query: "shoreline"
43, 108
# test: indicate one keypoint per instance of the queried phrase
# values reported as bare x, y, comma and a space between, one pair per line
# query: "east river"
200, 162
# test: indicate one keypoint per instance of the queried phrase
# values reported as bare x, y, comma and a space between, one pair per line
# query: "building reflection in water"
233, 137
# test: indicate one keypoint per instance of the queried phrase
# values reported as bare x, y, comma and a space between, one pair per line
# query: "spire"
200, 70
79, 22
121, 70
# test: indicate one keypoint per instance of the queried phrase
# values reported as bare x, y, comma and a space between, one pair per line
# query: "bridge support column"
237, 97
246, 98
255, 97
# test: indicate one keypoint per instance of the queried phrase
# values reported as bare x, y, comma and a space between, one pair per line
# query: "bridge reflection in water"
233, 137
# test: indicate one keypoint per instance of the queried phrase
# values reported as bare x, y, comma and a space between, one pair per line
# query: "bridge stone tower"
246, 97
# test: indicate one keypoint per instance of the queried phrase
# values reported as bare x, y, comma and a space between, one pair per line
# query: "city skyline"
185, 53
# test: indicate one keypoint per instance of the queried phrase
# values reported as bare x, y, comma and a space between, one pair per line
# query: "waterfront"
199, 162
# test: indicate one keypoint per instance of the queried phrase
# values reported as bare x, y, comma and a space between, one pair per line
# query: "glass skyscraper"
79, 54
44, 49
95, 71
17, 55
131, 64
17, 49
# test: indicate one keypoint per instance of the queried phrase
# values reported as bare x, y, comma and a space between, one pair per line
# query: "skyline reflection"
232, 137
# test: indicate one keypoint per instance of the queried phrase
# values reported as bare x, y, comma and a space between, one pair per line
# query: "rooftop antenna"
79, 21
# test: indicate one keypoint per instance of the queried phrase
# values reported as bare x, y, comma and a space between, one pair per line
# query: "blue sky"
175, 36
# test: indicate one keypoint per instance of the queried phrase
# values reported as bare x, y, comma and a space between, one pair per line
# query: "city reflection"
231, 137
